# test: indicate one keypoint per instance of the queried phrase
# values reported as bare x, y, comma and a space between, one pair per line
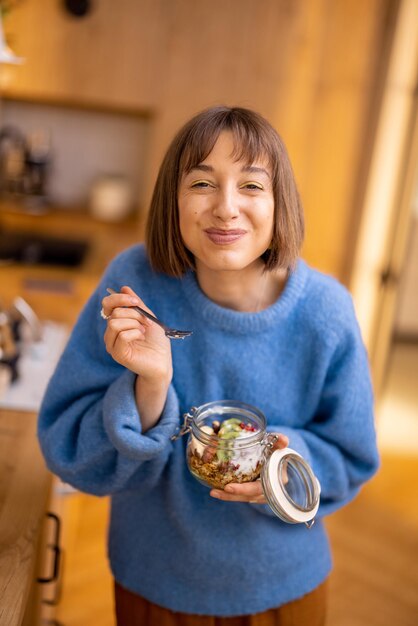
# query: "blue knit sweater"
301, 361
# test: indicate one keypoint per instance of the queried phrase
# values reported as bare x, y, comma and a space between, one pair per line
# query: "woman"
221, 258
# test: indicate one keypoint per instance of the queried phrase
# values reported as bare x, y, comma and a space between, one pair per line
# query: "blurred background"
91, 93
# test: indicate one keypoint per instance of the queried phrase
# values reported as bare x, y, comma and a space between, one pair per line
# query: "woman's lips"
222, 237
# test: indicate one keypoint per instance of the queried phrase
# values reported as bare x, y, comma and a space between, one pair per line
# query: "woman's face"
226, 209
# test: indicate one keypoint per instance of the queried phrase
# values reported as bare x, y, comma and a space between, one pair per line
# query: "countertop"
55, 294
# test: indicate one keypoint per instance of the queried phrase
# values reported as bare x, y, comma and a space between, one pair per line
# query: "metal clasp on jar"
187, 424
268, 442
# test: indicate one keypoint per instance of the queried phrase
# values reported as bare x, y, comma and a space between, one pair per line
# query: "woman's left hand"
248, 492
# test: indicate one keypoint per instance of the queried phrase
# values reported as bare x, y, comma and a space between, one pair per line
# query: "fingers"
128, 314
123, 319
281, 442
128, 328
252, 491
123, 300
241, 492
111, 302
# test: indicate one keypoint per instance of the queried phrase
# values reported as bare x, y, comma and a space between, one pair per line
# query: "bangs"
251, 142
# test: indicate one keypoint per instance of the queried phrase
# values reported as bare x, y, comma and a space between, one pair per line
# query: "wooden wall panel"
310, 66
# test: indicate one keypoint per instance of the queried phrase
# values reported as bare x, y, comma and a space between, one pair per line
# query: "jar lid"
290, 487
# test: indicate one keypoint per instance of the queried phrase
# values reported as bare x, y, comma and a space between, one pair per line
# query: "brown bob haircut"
254, 139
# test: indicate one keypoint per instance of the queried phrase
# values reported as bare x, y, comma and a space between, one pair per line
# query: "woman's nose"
226, 206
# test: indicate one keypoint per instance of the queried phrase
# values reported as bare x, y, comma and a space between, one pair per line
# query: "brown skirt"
133, 610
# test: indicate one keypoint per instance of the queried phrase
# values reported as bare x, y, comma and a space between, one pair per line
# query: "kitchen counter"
56, 294
24, 492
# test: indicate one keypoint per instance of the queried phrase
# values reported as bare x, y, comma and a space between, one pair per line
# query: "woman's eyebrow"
253, 169
201, 167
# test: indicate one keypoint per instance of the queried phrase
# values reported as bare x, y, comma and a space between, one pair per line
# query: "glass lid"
290, 487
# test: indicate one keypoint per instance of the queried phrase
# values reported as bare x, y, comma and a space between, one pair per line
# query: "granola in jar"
225, 450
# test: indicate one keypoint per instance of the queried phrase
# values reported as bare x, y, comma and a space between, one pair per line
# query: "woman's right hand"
134, 341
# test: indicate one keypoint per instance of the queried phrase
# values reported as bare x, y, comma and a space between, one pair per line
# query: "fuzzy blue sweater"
301, 361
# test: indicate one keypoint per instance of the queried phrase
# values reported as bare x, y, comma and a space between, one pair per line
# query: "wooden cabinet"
46, 579
24, 495
37, 526
110, 58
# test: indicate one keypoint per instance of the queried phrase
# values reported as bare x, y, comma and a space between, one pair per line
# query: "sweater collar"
236, 321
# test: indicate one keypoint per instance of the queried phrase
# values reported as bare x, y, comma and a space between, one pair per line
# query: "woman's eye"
202, 184
252, 186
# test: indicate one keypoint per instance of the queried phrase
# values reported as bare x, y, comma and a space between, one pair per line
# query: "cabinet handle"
55, 547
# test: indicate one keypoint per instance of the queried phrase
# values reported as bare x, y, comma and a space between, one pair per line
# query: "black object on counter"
11, 363
33, 249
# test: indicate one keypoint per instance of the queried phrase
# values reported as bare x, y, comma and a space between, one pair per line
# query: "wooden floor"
375, 545
374, 539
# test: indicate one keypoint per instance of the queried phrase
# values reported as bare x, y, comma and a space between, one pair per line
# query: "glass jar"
228, 442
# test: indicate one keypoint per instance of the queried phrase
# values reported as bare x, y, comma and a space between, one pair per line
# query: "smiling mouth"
223, 237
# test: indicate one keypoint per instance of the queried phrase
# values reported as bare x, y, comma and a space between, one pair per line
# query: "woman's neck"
249, 290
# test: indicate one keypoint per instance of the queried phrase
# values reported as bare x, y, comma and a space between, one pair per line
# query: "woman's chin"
225, 262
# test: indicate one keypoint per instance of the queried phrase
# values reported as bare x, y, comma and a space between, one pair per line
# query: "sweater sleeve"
339, 439
89, 428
